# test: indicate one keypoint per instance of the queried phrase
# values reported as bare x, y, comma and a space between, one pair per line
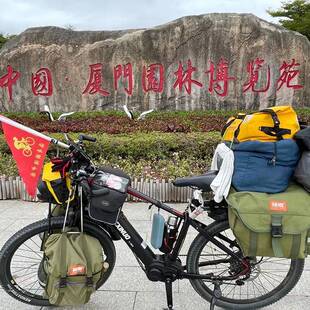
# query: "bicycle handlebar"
87, 138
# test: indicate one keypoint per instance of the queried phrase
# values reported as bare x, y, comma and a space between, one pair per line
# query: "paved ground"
128, 288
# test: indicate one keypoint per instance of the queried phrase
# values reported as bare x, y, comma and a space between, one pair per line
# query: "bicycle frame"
144, 253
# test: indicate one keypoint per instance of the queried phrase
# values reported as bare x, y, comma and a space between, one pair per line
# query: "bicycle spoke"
17, 255
35, 243
23, 281
24, 275
32, 284
30, 249
267, 273
23, 268
35, 262
268, 280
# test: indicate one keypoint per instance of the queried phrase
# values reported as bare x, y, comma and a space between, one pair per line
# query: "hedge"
141, 154
144, 145
116, 122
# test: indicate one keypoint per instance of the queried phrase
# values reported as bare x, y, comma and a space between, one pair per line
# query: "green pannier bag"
74, 264
272, 225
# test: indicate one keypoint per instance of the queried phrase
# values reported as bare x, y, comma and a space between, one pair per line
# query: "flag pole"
32, 131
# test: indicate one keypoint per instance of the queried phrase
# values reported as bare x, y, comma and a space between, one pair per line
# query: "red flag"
29, 149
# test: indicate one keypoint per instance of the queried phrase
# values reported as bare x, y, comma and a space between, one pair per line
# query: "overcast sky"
18, 15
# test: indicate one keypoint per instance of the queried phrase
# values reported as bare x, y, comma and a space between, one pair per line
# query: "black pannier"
108, 194
302, 172
302, 138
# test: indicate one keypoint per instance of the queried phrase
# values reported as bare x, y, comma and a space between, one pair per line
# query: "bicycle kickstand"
217, 293
168, 284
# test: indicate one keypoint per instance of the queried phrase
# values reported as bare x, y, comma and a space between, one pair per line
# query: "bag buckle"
276, 231
63, 282
272, 161
89, 282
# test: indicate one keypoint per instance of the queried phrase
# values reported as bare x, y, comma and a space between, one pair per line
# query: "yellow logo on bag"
25, 145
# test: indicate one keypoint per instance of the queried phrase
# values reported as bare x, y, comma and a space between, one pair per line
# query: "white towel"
222, 182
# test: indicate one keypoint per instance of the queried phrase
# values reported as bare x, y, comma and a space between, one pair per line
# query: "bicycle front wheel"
269, 280
21, 260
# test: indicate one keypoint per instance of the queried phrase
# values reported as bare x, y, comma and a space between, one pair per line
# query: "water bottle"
170, 234
158, 226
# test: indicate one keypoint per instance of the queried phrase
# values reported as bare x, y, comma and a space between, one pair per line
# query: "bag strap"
89, 274
274, 131
276, 234
89, 278
51, 190
295, 246
236, 133
87, 256
271, 131
253, 243
63, 269
227, 125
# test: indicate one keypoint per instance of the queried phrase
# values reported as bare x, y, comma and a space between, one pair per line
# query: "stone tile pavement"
128, 287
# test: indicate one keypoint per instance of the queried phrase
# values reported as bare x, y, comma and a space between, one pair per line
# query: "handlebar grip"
87, 138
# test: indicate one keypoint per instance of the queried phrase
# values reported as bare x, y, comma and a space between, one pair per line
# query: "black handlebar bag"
108, 194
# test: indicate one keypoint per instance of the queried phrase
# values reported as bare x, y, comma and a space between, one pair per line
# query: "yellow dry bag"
268, 125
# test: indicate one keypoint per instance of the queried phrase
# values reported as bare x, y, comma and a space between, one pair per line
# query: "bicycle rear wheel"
270, 278
21, 257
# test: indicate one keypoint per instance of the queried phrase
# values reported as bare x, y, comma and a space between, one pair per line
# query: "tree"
297, 16
69, 27
3, 39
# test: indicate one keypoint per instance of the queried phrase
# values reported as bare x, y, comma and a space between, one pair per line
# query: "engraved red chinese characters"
28, 151
95, 80
288, 73
219, 78
253, 68
41, 83
9, 79
153, 78
124, 71
184, 77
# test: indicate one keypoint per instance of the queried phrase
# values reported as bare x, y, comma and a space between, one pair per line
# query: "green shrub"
153, 115
7, 165
153, 155
155, 145
116, 122
152, 169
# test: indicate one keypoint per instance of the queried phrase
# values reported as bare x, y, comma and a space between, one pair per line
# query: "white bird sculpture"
129, 114
143, 114
48, 112
140, 117
63, 116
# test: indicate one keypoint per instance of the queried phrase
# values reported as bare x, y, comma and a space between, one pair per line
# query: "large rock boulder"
235, 38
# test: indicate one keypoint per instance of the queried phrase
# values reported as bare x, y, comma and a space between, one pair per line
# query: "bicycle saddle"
201, 181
